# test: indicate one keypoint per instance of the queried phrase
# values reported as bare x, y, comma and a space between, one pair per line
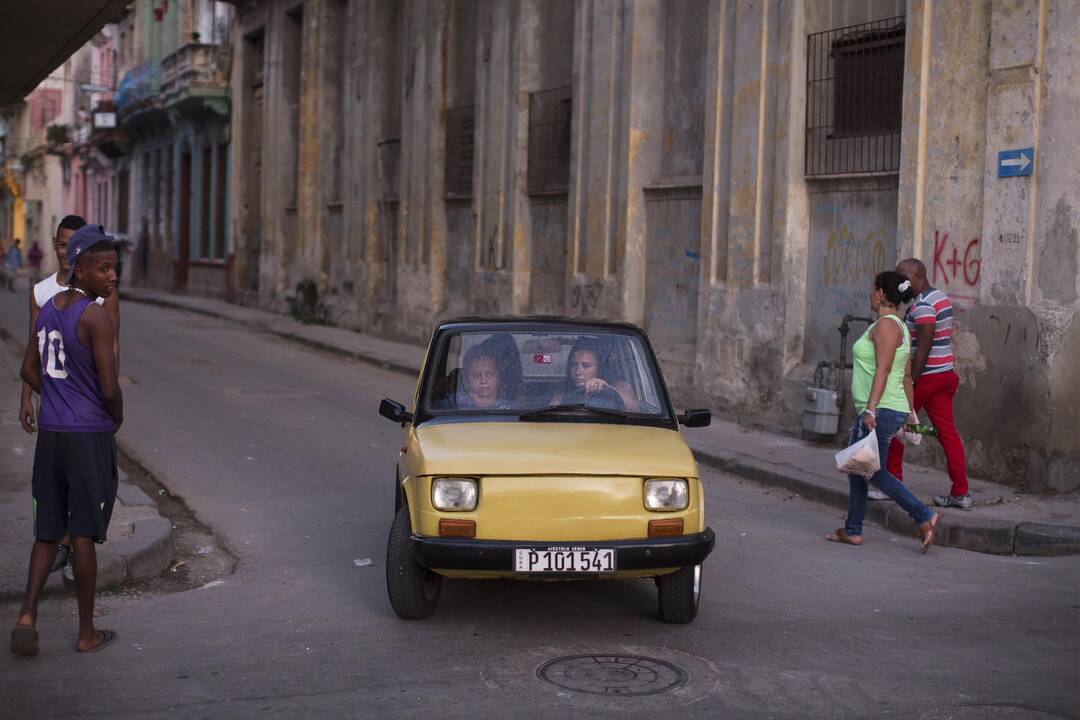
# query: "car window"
514, 372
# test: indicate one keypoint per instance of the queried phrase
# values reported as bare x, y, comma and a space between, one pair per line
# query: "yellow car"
544, 449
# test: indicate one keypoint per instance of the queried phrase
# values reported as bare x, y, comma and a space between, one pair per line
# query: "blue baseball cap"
84, 238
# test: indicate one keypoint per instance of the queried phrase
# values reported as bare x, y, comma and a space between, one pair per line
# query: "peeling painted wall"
688, 209
852, 239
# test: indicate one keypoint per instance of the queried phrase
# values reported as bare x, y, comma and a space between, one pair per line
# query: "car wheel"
413, 589
679, 593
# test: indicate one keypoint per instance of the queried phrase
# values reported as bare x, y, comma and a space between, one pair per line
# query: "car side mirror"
394, 411
700, 417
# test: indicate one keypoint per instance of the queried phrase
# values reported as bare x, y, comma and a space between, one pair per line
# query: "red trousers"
935, 393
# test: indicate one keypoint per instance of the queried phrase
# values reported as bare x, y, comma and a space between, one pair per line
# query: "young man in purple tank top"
73, 368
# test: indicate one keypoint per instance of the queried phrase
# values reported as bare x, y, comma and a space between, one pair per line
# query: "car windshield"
601, 375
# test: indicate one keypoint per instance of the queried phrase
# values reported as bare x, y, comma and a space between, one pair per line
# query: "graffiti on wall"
851, 260
586, 298
956, 267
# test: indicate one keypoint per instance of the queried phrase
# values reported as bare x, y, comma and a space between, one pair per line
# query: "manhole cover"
613, 674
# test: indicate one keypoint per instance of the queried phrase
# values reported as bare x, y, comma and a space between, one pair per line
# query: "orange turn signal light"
668, 527
458, 528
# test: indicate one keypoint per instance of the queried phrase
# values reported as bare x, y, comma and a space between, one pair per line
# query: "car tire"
413, 589
679, 594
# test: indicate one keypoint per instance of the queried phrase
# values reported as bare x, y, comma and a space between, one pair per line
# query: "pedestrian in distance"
74, 483
35, 256
930, 323
881, 390
40, 293
12, 263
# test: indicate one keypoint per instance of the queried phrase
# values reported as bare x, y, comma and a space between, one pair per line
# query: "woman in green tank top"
882, 391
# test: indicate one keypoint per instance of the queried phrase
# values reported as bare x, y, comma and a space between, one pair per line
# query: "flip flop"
928, 533
24, 640
110, 637
840, 536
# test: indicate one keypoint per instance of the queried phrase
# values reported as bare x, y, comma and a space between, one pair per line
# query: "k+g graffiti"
955, 261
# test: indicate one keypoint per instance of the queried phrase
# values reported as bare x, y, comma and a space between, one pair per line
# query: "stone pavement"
1003, 520
139, 545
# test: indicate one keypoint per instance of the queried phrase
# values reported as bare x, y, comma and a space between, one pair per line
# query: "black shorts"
74, 484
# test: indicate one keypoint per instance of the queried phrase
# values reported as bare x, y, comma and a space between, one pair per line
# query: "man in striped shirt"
930, 320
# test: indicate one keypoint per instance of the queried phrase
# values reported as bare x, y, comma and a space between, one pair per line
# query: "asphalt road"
281, 452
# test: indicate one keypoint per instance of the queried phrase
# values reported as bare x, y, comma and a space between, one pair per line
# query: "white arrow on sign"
1023, 161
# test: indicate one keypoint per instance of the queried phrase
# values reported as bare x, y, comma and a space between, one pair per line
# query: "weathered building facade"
728, 174
173, 107
52, 163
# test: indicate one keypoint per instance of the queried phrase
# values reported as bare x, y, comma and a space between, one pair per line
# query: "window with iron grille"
549, 140
854, 98
460, 123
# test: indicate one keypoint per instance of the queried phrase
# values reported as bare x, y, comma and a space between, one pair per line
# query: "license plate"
564, 560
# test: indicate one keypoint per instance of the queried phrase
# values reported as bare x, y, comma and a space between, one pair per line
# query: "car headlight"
453, 494
666, 495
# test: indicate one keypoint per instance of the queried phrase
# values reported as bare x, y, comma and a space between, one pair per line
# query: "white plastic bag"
860, 458
910, 438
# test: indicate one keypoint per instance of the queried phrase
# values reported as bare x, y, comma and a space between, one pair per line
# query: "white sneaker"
964, 503
872, 493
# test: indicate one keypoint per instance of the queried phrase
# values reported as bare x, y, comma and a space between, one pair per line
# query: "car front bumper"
438, 553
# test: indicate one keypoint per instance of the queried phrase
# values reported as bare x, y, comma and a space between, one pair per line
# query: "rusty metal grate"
854, 98
549, 140
460, 123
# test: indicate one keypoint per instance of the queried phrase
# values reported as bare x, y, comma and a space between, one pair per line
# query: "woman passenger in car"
479, 381
585, 375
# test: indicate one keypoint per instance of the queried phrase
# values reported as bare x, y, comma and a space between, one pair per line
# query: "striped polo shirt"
933, 307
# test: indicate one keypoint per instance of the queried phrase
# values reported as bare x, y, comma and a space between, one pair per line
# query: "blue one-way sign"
1012, 163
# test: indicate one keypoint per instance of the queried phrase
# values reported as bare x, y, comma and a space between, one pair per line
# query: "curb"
145, 553
995, 537
375, 360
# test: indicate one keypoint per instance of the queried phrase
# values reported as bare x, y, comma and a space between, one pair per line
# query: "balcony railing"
138, 90
196, 75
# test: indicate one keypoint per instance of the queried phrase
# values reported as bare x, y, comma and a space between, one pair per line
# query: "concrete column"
717, 167
525, 45
595, 118
753, 108
944, 144
640, 140
1013, 118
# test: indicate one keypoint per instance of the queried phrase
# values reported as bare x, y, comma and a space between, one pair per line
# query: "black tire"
413, 589
679, 594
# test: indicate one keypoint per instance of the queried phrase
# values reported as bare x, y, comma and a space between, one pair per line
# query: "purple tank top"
70, 391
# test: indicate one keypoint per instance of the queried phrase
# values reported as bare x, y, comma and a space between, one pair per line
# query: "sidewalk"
1003, 521
140, 540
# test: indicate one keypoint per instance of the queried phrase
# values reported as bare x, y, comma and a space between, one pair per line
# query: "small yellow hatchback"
544, 449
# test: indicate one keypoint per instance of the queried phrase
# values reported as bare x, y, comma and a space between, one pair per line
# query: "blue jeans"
889, 423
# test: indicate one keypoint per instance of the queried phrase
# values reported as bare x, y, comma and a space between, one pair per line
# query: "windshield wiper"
569, 407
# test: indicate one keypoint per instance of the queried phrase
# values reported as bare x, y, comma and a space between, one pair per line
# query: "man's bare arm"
99, 325
27, 416
112, 304
31, 368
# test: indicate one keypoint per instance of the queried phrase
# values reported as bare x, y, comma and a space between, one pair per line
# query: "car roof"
474, 322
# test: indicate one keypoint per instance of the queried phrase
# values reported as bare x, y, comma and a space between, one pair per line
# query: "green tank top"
864, 362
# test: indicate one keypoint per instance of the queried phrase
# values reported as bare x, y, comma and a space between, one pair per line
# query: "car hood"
550, 448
